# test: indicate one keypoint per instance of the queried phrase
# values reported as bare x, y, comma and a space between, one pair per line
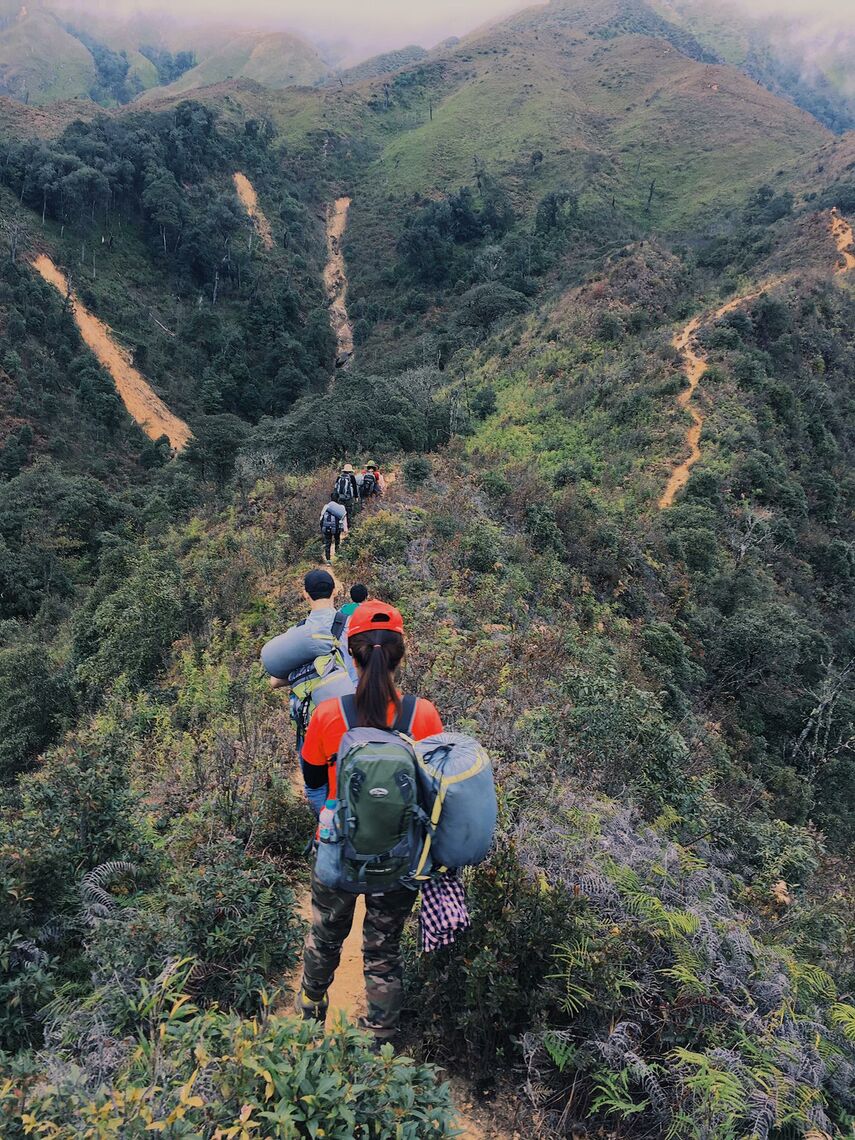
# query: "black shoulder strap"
405, 718
347, 704
339, 622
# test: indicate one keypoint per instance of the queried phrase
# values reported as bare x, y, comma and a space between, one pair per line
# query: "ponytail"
378, 654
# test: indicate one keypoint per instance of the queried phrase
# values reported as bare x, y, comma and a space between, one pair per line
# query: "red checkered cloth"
443, 913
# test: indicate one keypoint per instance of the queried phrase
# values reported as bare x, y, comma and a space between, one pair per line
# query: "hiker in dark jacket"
372, 482
346, 490
376, 641
333, 526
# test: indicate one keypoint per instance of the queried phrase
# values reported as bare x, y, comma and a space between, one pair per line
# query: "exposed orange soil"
335, 280
142, 402
695, 366
249, 200
845, 239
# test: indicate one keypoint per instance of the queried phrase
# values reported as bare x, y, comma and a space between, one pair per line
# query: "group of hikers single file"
402, 805
351, 490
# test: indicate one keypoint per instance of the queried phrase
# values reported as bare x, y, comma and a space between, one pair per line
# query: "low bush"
210, 1073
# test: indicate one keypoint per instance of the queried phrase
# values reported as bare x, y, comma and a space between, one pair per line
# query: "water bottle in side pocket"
328, 857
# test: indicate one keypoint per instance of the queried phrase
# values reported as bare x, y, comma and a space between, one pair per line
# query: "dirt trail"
335, 281
347, 993
696, 363
142, 402
845, 239
694, 367
249, 200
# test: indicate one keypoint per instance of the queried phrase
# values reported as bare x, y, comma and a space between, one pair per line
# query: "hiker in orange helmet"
376, 642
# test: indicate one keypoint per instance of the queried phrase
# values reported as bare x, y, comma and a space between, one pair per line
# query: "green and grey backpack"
379, 824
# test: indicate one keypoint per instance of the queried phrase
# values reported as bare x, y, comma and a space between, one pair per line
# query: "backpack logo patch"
378, 793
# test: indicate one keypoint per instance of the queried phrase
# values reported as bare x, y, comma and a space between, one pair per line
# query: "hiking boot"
310, 1008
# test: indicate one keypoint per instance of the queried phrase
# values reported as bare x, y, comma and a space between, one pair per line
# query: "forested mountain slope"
554, 227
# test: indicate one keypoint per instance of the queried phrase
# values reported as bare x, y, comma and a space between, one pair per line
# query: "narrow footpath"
140, 399
249, 200
347, 995
695, 362
335, 281
695, 365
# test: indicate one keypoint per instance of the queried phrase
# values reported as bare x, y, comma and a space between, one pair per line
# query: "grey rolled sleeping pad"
298, 646
467, 824
336, 509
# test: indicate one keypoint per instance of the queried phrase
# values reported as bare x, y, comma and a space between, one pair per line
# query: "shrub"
383, 536
471, 1000
672, 1015
417, 471
480, 547
212, 1073
231, 911
35, 698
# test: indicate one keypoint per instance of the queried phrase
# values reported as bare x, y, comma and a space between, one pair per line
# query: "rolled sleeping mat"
336, 509
456, 768
297, 646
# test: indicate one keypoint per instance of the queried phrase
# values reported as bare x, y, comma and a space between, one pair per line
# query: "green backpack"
379, 828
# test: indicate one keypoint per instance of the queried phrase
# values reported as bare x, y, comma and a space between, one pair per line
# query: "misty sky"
381, 24
355, 28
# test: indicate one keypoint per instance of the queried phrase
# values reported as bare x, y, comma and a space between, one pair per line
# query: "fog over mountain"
352, 30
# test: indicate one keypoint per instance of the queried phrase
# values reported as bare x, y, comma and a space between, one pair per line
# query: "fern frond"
843, 1016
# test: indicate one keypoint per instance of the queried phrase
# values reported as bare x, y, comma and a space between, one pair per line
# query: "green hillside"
40, 62
573, 242
274, 59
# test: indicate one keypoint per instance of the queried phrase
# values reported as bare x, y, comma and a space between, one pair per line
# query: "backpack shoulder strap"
347, 704
404, 721
339, 622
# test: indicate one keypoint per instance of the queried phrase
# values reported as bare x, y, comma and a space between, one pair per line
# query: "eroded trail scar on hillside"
249, 200
845, 239
140, 399
335, 281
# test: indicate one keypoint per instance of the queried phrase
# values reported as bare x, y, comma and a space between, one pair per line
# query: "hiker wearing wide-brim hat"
372, 482
346, 490
376, 643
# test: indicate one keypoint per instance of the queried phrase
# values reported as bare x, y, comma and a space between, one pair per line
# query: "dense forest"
662, 938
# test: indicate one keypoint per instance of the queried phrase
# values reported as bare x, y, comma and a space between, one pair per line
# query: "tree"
36, 697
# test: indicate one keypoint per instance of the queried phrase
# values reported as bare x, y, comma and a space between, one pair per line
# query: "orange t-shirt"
327, 727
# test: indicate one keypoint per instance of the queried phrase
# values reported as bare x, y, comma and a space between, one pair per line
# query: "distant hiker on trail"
308, 658
373, 482
346, 490
343, 729
358, 595
333, 526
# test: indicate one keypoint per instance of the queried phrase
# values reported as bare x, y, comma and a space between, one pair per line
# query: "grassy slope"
37, 56
595, 108
274, 59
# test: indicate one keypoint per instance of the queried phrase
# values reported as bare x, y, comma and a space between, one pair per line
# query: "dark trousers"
331, 541
332, 918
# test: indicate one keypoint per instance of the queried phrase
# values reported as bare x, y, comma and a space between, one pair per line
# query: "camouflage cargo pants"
332, 918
